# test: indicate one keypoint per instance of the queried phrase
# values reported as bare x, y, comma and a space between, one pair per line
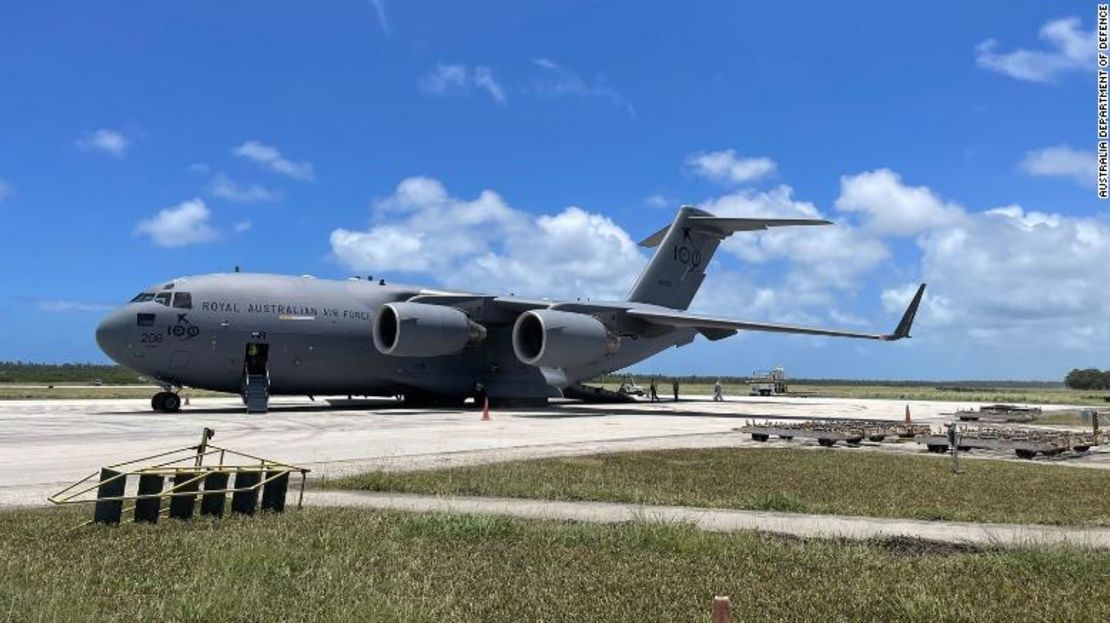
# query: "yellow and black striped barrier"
210, 473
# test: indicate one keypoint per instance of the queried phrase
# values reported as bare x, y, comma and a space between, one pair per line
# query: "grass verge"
828, 481
349, 565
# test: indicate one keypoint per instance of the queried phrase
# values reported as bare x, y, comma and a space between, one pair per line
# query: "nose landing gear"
166, 402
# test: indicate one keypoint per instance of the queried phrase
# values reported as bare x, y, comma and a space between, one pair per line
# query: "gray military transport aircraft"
259, 335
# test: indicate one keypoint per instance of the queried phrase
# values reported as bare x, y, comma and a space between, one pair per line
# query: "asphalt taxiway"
46, 444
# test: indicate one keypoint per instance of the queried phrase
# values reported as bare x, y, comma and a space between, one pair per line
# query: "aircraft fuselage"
196, 331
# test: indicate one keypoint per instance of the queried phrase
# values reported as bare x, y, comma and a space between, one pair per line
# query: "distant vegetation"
1088, 378
741, 380
23, 372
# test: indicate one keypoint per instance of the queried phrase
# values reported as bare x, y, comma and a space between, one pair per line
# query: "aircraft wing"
510, 303
709, 323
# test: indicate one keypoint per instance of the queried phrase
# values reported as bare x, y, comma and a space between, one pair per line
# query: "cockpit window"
143, 297
162, 298
183, 300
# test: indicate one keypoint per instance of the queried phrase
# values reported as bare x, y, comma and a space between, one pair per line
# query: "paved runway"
46, 444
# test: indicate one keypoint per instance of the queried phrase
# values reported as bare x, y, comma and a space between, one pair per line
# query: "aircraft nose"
111, 335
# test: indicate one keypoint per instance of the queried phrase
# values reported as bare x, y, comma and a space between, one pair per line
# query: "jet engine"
558, 339
422, 330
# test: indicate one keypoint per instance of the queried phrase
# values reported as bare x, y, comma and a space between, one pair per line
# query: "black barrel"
213, 503
273, 492
181, 506
146, 509
110, 487
245, 499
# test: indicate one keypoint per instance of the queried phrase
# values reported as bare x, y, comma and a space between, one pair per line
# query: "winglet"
903, 329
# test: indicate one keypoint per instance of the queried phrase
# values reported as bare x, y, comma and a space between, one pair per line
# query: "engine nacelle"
557, 339
422, 330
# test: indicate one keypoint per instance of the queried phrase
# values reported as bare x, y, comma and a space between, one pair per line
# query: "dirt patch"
911, 546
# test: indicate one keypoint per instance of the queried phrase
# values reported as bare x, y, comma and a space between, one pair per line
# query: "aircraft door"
256, 358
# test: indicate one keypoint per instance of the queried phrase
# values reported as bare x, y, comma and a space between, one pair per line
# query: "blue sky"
510, 146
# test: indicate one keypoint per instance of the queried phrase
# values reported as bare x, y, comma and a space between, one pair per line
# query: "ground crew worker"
674, 386
480, 395
654, 391
718, 392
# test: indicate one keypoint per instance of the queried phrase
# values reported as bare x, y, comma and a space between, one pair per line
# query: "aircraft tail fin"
683, 250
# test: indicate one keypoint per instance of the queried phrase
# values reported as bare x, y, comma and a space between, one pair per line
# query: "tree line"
1088, 378
26, 372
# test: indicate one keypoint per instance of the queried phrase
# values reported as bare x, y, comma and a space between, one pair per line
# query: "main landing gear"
166, 402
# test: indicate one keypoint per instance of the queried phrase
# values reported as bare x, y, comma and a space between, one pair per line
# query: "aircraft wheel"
171, 403
157, 402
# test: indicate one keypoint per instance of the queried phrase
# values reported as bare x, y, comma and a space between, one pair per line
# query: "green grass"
842, 482
357, 565
1071, 417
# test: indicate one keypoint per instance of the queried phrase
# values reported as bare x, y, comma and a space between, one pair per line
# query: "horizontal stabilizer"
723, 226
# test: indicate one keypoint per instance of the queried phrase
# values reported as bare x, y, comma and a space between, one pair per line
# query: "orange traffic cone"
485, 410
722, 610
907, 414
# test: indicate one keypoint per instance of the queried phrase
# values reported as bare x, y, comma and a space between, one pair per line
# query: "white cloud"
1062, 161
485, 244
5, 190
446, 79
241, 227
60, 306
224, 187
271, 158
846, 319
557, 81
379, 12
818, 257
657, 201
111, 142
1070, 49
729, 167
893, 208
1010, 276
184, 224
1001, 279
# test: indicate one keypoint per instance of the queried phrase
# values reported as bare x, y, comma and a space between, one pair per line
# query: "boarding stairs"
256, 392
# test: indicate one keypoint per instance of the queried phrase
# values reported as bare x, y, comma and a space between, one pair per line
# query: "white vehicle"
628, 387
769, 382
